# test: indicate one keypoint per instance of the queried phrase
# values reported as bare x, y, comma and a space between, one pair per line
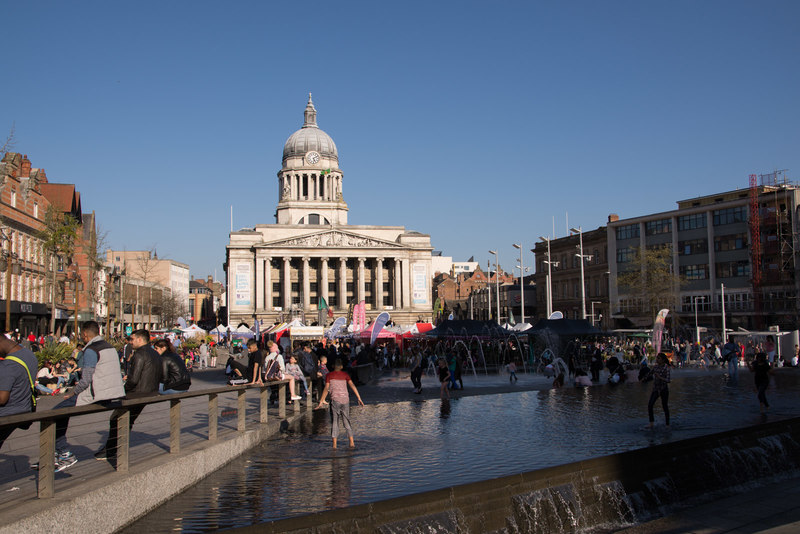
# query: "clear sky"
474, 122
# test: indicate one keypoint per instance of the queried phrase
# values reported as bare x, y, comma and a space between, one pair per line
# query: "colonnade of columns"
273, 291
318, 186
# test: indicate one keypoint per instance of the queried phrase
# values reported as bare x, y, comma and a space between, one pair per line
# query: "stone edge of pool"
109, 502
616, 490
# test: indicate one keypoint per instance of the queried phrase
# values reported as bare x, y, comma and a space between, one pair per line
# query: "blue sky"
474, 122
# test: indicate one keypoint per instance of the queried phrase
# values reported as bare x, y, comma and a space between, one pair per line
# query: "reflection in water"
409, 447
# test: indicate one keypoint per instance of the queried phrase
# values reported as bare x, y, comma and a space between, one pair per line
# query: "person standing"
17, 372
337, 382
144, 375
204, 355
762, 369
100, 380
444, 378
416, 371
730, 353
661, 379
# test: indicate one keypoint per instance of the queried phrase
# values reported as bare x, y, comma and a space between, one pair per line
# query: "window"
692, 246
661, 226
13, 198
35, 210
625, 255
628, 232
730, 242
690, 222
695, 272
733, 269
313, 218
730, 215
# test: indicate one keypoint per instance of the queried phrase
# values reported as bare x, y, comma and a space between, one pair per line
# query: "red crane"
755, 248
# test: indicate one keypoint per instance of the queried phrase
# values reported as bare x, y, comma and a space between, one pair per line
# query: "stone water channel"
414, 446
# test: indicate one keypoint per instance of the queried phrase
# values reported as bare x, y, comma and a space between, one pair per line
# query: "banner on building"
242, 281
419, 284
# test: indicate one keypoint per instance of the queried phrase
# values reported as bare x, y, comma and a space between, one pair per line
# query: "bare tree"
146, 266
9, 142
651, 280
59, 237
171, 308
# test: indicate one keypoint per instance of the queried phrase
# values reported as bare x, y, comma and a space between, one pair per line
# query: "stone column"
343, 283
323, 265
406, 283
259, 279
267, 283
287, 284
306, 285
396, 300
361, 279
379, 284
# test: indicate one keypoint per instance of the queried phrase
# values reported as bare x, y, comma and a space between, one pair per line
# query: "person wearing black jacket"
144, 375
175, 377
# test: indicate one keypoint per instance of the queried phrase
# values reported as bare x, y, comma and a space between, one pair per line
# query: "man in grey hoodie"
101, 379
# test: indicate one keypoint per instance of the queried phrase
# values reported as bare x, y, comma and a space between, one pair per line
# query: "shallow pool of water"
410, 447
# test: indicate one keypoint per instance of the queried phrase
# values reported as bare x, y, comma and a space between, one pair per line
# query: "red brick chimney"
25, 167
613, 218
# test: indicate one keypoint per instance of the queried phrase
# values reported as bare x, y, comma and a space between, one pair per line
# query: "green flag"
322, 304
326, 171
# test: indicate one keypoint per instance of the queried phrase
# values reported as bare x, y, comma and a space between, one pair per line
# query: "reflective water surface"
410, 447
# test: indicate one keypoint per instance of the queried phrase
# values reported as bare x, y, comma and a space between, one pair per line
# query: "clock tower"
310, 181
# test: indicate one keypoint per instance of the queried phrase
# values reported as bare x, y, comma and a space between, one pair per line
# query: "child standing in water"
512, 371
661, 379
762, 369
337, 383
444, 378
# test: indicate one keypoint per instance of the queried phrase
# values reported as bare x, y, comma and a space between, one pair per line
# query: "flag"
658, 329
511, 317
350, 313
322, 304
258, 332
324, 172
377, 326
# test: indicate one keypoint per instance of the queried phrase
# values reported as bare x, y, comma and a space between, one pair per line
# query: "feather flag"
377, 326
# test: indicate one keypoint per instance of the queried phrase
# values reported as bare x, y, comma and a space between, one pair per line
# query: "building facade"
312, 257
712, 240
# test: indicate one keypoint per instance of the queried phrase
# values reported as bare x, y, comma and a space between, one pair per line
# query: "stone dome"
310, 138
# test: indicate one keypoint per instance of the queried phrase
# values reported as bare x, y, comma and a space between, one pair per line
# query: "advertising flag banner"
377, 326
336, 327
658, 329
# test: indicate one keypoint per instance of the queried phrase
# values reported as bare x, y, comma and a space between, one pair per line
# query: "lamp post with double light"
76, 285
582, 257
521, 282
696, 326
549, 276
9, 266
497, 280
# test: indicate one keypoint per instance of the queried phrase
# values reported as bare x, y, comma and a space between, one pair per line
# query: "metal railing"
47, 420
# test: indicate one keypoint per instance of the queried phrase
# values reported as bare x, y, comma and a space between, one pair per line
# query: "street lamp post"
549, 277
579, 231
696, 327
497, 280
8, 265
593, 303
521, 282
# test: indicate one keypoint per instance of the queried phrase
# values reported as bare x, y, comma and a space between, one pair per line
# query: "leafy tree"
59, 240
651, 280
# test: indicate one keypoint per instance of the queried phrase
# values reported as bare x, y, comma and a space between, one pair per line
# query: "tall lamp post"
497, 280
593, 303
76, 285
696, 327
521, 282
581, 255
549, 277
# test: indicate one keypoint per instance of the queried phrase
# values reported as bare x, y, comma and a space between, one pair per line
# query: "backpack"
33, 389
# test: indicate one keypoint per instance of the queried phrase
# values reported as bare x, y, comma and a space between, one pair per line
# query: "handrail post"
282, 400
175, 426
240, 426
263, 396
47, 452
213, 415
123, 440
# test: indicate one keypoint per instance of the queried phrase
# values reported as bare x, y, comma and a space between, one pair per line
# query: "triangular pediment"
332, 239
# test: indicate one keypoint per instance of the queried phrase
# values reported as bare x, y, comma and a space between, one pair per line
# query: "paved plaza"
773, 508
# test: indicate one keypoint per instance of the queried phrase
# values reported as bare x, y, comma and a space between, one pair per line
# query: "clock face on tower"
312, 158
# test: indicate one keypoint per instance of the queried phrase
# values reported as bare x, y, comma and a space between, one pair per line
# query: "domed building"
311, 257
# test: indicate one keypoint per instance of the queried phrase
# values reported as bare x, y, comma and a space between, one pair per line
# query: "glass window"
629, 231
313, 218
730, 215
661, 226
625, 255
733, 269
730, 242
692, 246
695, 272
690, 222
